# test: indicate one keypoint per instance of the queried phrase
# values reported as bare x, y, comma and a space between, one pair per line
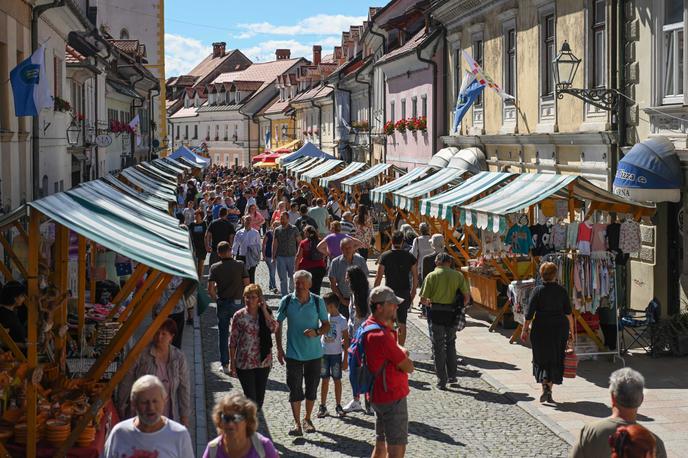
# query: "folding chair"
639, 326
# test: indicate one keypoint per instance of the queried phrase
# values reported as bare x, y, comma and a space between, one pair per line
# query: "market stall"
358, 186
59, 384
306, 165
331, 182
149, 199
331, 166
562, 218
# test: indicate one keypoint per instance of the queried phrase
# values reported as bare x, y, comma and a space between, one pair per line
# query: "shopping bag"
570, 363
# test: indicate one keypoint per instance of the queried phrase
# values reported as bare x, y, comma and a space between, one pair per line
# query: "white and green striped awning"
378, 194
374, 171
319, 171
405, 197
306, 165
529, 189
441, 205
297, 162
346, 172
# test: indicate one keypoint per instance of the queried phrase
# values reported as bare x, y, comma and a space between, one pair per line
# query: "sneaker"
442, 386
353, 406
225, 368
322, 411
340, 411
452, 380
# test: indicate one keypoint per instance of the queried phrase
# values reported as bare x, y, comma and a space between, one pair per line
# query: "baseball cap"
381, 294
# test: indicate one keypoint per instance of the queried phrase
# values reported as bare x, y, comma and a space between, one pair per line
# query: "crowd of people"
242, 217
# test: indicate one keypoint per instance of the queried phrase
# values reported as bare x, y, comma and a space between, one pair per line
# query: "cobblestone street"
472, 419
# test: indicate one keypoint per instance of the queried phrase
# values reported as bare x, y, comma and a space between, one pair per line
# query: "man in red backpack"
391, 365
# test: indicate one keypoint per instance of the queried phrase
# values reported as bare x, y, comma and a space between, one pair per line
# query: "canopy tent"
345, 172
307, 165
308, 149
441, 205
296, 163
529, 189
144, 197
266, 165
160, 168
405, 197
157, 174
320, 170
650, 172
266, 157
189, 163
378, 194
119, 235
157, 183
186, 153
148, 185
374, 171
172, 163
470, 159
289, 147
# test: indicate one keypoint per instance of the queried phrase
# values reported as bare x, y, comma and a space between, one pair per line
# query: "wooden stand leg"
592, 334
505, 308
32, 341
81, 292
517, 332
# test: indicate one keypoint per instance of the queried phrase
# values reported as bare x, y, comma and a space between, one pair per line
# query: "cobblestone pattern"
471, 419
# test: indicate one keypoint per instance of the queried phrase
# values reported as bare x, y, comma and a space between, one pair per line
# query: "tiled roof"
204, 68
208, 108
185, 112
248, 85
72, 56
314, 93
407, 47
265, 72
131, 47
277, 106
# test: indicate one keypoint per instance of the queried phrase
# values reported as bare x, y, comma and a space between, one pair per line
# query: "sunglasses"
232, 417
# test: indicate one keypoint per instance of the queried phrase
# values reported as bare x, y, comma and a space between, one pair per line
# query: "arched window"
44, 186
124, 34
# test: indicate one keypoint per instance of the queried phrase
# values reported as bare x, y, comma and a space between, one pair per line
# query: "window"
195, 131
403, 108
186, 132
547, 54
57, 77
424, 105
392, 115
217, 132
414, 107
226, 132
510, 62
672, 52
177, 136
124, 34
598, 44
478, 57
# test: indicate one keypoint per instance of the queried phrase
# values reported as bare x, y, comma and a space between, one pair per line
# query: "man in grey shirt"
337, 273
285, 243
626, 388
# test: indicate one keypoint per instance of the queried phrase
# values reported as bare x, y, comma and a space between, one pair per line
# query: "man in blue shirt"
307, 320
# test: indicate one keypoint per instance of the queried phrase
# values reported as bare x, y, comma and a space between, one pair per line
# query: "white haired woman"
236, 419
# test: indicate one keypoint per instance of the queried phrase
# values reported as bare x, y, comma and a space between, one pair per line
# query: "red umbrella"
272, 157
261, 157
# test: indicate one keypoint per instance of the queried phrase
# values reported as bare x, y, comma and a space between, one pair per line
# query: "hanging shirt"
540, 234
599, 238
572, 235
629, 237
584, 238
520, 239
559, 236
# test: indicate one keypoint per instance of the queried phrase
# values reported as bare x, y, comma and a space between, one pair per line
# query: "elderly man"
337, 273
444, 291
247, 247
307, 320
149, 433
285, 244
626, 389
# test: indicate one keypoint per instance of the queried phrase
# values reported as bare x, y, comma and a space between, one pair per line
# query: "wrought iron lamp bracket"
605, 99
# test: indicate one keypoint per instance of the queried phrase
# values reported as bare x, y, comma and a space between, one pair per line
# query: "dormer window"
237, 98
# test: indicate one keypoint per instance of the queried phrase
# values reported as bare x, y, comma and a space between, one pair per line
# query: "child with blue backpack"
334, 360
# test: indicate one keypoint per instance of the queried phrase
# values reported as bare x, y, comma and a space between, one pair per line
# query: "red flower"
389, 127
400, 125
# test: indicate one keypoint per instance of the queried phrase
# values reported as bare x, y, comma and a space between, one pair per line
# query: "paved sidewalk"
472, 419
583, 399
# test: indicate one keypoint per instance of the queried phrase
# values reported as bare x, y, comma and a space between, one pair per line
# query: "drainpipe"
370, 111
621, 82
132, 140
334, 111
384, 93
313, 105
249, 118
339, 80
433, 64
150, 121
36, 12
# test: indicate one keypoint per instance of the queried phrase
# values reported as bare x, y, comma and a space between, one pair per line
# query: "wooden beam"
592, 334
22, 232
81, 287
13, 256
6, 273
105, 394
92, 273
130, 284
32, 341
11, 344
144, 292
3, 452
62, 279
127, 330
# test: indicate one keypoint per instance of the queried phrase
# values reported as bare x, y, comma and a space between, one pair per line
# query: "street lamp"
73, 132
284, 131
564, 68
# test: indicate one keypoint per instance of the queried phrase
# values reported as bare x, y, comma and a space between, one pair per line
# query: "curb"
503, 390
199, 390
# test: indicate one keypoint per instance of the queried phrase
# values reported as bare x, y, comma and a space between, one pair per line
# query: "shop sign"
103, 140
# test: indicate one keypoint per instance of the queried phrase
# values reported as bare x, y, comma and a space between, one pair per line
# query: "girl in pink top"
257, 220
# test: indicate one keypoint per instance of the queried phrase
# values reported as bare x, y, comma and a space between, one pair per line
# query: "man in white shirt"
247, 247
148, 433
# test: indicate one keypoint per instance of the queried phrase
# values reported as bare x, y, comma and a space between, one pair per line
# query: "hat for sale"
381, 294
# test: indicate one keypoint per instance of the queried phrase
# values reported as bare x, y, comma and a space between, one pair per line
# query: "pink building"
412, 93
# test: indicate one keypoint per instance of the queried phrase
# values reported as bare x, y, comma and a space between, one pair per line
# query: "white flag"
483, 78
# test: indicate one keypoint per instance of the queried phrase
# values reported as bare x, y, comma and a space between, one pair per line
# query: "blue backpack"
362, 379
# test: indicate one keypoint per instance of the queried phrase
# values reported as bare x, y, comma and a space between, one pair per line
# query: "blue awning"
189, 155
309, 150
650, 172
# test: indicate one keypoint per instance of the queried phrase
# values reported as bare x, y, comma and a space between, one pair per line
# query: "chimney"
317, 54
219, 49
283, 54
337, 54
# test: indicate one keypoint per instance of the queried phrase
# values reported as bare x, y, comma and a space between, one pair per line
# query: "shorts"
403, 308
331, 366
391, 422
299, 372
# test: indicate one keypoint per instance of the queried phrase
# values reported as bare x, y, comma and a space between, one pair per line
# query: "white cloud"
320, 24
182, 54
265, 51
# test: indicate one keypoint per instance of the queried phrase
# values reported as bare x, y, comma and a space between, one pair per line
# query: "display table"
95, 450
483, 289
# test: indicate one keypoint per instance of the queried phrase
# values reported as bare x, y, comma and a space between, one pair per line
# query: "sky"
256, 27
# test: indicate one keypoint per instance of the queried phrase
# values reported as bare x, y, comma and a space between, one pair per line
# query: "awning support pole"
130, 284
32, 341
13, 256
143, 292
81, 288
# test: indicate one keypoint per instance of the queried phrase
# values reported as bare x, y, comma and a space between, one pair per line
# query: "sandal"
308, 426
295, 432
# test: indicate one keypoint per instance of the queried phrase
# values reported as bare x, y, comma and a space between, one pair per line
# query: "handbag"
570, 363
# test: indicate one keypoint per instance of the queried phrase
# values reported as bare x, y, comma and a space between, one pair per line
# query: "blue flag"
267, 139
470, 90
30, 85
